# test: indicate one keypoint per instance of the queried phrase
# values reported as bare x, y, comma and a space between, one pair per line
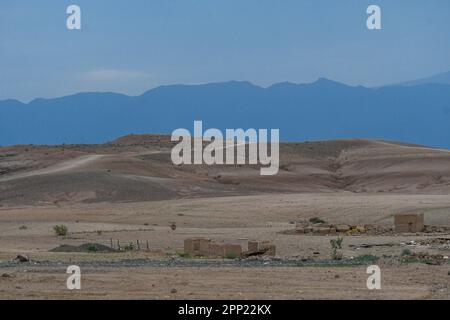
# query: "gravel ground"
175, 262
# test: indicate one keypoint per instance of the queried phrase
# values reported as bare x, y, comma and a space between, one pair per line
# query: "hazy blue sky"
133, 46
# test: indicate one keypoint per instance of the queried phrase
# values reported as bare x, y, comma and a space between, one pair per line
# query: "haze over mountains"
442, 78
323, 110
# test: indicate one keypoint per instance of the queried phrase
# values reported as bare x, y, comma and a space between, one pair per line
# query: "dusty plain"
128, 190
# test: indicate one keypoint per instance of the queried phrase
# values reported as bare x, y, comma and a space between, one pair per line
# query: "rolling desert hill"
138, 168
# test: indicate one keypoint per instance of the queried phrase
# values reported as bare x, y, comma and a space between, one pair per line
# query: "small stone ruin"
204, 247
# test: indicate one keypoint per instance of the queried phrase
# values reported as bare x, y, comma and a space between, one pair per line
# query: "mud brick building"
197, 246
409, 222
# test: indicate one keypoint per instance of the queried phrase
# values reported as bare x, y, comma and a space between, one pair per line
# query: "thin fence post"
138, 246
147, 246
118, 244
112, 245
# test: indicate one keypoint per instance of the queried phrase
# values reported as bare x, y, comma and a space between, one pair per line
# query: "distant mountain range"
412, 112
442, 78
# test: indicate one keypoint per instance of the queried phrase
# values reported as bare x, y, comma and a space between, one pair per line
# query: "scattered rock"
86, 247
342, 228
308, 229
22, 258
173, 291
268, 248
257, 248
310, 226
361, 229
424, 257
321, 230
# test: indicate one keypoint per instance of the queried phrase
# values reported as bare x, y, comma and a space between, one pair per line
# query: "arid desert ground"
128, 193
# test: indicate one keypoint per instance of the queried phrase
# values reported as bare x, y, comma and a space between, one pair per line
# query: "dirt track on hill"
57, 168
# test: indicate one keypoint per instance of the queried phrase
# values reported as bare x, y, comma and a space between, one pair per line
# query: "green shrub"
406, 252
23, 227
92, 248
60, 230
366, 258
336, 247
183, 254
231, 255
316, 220
8, 155
129, 247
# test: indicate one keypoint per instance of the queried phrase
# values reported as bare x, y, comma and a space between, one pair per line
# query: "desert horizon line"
281, 142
